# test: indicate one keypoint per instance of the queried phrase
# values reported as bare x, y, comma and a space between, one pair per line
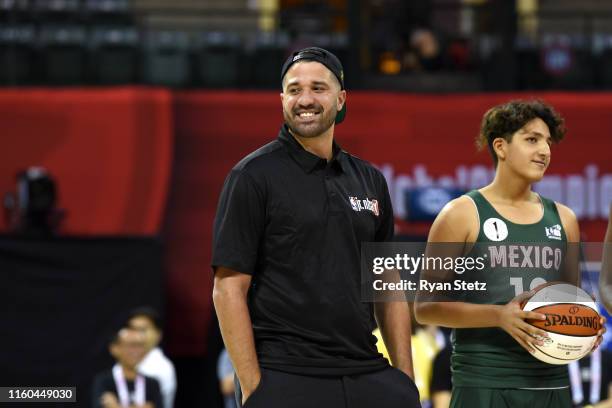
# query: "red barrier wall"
110, 151
414, 139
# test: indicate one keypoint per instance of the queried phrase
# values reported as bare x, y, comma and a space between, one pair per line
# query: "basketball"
572, 322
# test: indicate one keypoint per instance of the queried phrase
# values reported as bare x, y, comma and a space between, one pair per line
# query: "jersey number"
517, 282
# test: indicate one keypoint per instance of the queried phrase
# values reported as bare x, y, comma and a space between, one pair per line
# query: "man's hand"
248, 387
109, 400
511, 319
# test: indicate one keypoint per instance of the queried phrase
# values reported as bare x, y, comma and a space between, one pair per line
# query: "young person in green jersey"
492, 342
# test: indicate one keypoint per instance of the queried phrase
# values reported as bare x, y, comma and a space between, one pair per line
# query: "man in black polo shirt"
286, 254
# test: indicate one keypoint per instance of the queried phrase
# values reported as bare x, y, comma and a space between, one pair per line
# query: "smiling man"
287, 239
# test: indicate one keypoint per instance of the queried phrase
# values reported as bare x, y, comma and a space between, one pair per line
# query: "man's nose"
306, 98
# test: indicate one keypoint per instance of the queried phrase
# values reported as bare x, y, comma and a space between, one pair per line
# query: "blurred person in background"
225, 374
441, 384
426, 52
286, 255
31, 209
425, 342
155, 363
123, 386
591, 380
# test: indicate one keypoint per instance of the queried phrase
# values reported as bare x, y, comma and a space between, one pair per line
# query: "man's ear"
341, 99
113, 349
160, 336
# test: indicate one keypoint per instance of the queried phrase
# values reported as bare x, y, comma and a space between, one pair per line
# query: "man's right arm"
230, 299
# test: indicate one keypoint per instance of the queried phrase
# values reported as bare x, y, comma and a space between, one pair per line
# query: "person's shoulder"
459, 208
258, 159
358, 161
256, 167
564, 211
363, 166
569, 221
164, 361
456, 222
156, 363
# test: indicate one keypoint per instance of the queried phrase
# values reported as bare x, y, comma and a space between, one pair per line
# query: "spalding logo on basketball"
572, 322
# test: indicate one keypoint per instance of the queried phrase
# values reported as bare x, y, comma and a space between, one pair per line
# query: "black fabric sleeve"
386, 227
239, 223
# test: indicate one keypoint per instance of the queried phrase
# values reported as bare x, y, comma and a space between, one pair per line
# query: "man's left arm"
394, 321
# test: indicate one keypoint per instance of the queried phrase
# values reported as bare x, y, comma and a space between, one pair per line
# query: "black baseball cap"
321, 56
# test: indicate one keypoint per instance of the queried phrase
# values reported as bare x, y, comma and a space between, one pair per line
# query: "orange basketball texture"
568, 318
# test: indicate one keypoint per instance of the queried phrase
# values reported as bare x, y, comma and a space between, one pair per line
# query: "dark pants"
476, 397
389, 388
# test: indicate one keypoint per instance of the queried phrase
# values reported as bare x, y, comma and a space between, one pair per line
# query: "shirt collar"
308, 161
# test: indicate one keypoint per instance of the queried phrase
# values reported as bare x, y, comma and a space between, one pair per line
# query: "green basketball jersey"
518, 258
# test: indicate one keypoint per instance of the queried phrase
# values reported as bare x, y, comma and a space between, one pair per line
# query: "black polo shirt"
296, 223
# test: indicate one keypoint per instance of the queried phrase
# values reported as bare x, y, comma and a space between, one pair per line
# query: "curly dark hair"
506, 119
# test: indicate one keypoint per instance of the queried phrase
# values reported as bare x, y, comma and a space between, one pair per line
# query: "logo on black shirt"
365, 204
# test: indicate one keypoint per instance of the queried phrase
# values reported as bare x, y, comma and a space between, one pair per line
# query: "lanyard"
595, 377
138, 397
